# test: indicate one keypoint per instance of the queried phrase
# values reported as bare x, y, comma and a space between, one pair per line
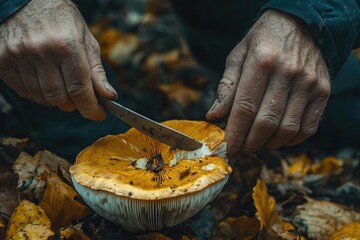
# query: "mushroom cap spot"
115, 166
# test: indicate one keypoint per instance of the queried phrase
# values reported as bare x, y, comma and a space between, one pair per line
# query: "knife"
158, 131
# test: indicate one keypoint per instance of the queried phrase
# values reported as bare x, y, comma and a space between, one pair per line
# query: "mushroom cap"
143, 184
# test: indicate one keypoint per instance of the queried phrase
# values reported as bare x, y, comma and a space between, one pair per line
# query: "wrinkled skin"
48, 55
274, 88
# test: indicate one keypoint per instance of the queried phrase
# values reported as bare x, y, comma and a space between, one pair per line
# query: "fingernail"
109, 88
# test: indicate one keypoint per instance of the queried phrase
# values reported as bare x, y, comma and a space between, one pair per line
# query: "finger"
290, 123
53, 86
98, 76
248, 97
228, 84
312, 115
29, 77
10, 75
269, 114
77, 75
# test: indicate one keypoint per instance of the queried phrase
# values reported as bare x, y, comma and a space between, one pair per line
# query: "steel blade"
156, 130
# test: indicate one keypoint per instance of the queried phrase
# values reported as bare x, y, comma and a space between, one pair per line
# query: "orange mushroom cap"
143, 184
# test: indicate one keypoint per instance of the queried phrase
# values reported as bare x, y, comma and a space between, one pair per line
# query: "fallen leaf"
300, 166
2, 229
30, 168
16, 144
272, 226
348, 232
178, 92
29, 221
8, 195
10, 148
237, 228
319, 219
61, 202
73, 233
153, 236
264, 204
327, 165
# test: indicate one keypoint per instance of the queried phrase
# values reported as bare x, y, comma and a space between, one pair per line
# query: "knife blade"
158, 131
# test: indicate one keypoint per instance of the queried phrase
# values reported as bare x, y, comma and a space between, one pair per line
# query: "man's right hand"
48, 55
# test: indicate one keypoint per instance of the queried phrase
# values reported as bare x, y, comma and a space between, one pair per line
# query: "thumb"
228, 84
98, 75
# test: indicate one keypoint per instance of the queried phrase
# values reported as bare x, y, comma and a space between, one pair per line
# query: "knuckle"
290, 70
324, 91
15, 49
96, 47
265, 56
245, 106
55, 97
98, 69
289, 129
309, 131
63, 45
78, 91
269, 121
231, 61
310, 81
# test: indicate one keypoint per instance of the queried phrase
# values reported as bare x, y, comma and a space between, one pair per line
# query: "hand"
48, 55
274, 88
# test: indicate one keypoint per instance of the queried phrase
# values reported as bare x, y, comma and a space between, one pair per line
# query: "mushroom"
142, 184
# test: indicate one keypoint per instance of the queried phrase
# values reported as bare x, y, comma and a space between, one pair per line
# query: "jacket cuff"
9, 7
334, 26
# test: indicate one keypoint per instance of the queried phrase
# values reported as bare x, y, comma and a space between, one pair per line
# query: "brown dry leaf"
348, 232
300, 166
272, 226
237, 228
11, 147
60, 202
8, 195
319, 219
178, 92
73, 233
16, 144
327, 165
153, 236
30, 168
29, 221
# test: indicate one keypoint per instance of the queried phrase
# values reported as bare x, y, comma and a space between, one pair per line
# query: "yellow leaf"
272, 226
74, 233
60, 202
28, 221
264, 204
327, 165
237, 228
347, 232
30, 168
153, 236
300, 167
321, 218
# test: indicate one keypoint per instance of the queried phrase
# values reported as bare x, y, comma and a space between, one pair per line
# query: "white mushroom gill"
141, 215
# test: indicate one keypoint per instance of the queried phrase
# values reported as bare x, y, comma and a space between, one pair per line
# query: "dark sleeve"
8, 7
335, 25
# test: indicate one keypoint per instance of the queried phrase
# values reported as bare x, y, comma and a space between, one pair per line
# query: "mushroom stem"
155, 164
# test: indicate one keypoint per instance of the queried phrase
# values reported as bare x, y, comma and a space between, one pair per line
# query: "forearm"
8, 7
334, 24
